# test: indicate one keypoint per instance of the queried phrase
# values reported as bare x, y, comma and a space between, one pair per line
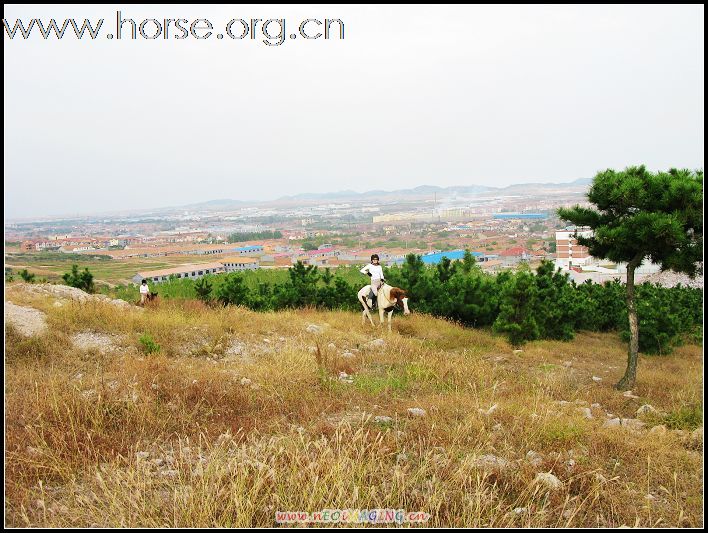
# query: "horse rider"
375, 271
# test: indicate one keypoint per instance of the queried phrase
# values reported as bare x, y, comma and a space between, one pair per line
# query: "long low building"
194, 271
233, 264
185, 249
182, 271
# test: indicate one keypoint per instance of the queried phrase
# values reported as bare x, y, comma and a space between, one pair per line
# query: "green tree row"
528, 306
254, 235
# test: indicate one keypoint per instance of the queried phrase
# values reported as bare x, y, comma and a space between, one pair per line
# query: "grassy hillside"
241, 414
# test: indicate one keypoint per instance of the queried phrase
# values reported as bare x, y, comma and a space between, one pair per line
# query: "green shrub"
26, 275
665, 315
687, 417
148, 344
80, 280
203, 287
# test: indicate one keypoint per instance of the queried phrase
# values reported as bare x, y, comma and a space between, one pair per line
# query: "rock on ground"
102, 342
491, 462
64, 292
534, 458
27, 320
489, 411
549, 481
661, 429
646, 409
631, 423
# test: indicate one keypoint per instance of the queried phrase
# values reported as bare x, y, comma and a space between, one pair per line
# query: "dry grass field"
238, 415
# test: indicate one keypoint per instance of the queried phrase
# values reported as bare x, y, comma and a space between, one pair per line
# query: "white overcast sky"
413, 95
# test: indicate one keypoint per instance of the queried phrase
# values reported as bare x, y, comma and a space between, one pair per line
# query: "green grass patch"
547, 367
379, 384
687, 417
399, 379
564, 433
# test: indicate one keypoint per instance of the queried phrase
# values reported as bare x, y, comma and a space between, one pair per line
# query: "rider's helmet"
374, 256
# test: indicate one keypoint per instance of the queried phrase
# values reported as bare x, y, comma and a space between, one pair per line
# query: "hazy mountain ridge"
401, 193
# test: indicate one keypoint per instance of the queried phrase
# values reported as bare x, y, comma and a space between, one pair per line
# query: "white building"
182, 271
569, 253
571, 256
234, 264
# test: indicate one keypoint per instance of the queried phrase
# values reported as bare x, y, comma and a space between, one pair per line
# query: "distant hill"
395, 195
224, 203
431, 189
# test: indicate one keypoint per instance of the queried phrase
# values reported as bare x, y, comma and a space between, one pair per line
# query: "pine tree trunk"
630, 375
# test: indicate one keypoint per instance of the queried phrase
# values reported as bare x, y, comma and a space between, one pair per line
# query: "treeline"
546, 304
523, 305
304, 286
254, 235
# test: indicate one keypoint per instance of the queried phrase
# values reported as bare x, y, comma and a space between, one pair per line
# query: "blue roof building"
435, 258
247, 249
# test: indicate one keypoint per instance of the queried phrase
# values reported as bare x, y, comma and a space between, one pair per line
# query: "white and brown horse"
388, 298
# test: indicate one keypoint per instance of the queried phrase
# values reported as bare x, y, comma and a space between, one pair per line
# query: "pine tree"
203, 289
468, 262
26, 275
233, 291
642, 214
518, 308
80, 280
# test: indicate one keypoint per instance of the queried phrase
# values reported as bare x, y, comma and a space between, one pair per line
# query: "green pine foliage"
233, 291
80, 280
203, 287
254, 236
518, 306
665, 317
638, 214
26, 276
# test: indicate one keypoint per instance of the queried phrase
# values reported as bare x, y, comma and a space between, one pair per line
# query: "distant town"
500, 227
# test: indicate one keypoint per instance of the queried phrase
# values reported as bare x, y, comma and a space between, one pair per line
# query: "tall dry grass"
242, 414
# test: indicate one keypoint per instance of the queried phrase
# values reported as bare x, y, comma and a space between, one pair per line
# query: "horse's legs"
365, 313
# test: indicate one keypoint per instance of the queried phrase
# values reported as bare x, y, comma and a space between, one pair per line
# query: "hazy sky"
414, 95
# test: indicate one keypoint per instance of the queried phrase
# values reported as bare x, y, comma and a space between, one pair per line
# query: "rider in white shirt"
144, 291
376, 272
